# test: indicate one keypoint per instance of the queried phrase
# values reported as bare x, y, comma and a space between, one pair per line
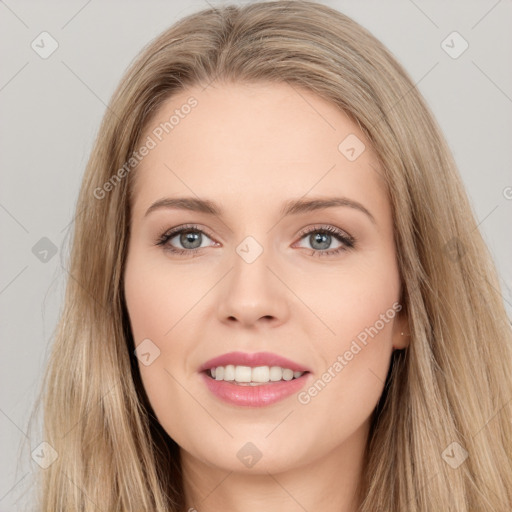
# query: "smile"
253, 384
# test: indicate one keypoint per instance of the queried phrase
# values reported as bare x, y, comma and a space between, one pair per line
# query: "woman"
279, 294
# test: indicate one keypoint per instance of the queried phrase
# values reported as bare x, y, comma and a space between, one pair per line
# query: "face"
283, 254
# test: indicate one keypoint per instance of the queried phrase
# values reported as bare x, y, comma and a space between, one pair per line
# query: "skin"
249, 148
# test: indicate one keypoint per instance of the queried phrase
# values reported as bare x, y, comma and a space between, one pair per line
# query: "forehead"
248, 143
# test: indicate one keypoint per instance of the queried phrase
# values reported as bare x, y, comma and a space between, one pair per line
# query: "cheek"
156, 300
150, 310
340, 399
162, 302
352, 302
360, 309
159, 296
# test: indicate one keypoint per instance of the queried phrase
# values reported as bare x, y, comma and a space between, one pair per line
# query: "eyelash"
347, 241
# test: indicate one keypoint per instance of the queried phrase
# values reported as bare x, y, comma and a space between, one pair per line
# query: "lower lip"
254, 396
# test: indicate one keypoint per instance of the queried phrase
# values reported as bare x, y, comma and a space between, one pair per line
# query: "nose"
252, 294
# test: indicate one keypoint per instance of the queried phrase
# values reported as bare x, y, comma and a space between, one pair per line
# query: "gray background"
51, 110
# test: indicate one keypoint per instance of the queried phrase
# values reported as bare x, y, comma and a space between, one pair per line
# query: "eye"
320, 239
188, 240
190, 237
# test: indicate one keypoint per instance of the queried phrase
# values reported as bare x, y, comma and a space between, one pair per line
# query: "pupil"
193, 238
323, 239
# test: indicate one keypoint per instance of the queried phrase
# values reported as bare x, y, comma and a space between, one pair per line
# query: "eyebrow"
291, 207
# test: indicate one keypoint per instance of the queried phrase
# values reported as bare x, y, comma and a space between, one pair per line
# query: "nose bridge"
252, 291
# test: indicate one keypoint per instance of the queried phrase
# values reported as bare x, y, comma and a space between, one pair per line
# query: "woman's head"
302, 284
249, 108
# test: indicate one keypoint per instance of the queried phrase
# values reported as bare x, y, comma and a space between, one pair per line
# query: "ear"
401, 332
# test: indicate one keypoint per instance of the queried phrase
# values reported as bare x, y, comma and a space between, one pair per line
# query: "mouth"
253, 380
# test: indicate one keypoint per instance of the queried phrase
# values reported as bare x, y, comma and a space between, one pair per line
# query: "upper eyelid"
178, 229
335, 230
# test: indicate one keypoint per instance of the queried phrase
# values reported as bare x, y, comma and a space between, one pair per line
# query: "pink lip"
254, 396
254, 359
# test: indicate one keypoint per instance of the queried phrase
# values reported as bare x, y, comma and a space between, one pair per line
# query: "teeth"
242, 373
253, 376
276, 373
287, 374
229, 372
260, 374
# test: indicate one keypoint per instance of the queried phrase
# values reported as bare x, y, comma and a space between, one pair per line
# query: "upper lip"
253, 359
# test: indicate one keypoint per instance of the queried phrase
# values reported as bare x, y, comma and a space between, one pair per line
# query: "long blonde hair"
451, 385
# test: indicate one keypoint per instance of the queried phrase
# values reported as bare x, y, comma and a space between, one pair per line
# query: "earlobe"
401, 335
403, 341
